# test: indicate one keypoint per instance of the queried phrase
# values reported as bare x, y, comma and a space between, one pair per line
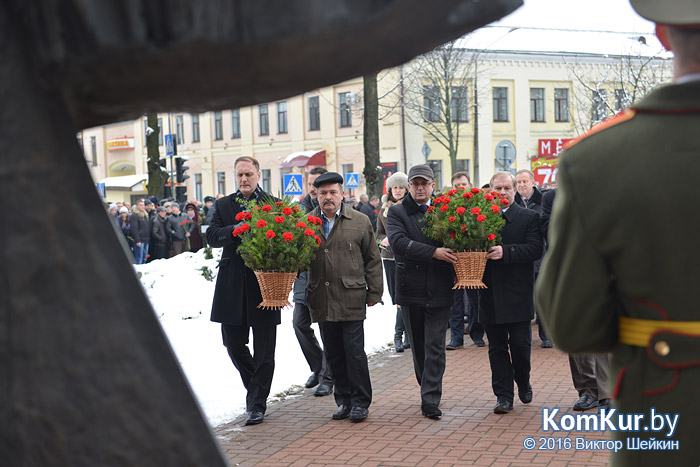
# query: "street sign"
505, 155
101, 190
169, 148
293, 184
426, 150
352, 180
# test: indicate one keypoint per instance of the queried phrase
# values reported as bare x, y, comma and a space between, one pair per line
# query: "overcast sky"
607, 15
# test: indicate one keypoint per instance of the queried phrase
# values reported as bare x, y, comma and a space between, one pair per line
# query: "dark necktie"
424, 207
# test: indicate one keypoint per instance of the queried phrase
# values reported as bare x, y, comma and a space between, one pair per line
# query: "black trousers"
314, 354
256, 370
426, 329
344, 342
508, 366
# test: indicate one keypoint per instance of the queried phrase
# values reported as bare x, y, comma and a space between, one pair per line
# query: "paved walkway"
299, 431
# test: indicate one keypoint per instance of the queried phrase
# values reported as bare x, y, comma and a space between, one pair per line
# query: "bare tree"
370, 137
156, 176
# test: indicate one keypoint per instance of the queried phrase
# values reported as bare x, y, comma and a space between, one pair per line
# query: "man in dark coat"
424, 279
529, 197
345, 278
301, 319
505, 307
237, 295
159, 235
621, 273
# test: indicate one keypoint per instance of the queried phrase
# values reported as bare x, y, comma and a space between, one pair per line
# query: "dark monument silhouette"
87, 377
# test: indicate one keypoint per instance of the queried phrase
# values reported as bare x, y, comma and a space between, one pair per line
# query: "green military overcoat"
346, 273
622, 244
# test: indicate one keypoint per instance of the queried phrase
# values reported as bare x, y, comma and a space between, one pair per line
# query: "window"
93, 150
458, 104
266, 180
198, 187
537, 104
462, 165
264, 120
432, 111
218, 126
160, 131
437, 171
347, 168
500, 104
195, 128
621, 100
345, 112
561, 105
179, 129
235, 125
221, 182
314, 115
281, 117
598, 105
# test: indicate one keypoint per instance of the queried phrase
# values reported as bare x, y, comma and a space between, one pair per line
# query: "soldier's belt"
638, 332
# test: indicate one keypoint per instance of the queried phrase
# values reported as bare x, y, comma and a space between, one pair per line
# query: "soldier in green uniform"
621, 274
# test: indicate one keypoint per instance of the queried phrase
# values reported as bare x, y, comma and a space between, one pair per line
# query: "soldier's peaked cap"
328, 177
681, 13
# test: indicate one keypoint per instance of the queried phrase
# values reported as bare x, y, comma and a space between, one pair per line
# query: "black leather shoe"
431, 411
254, 418
452, 346
503, 406
585, 402
479, 343
342, 413
398, 345
323, 389
357, 414
406, 344
547, 344
526, 395
312, 381
605, 402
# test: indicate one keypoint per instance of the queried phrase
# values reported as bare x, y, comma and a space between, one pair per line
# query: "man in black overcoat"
237, 295
505, 307
424, 279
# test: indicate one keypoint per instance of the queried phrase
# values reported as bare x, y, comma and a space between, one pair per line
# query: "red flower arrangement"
465, 220
285, 239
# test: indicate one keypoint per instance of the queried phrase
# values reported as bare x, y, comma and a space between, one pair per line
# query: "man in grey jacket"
178, 226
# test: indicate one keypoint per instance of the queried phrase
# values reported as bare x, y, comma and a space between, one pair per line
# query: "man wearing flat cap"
424, 279
617, 276
344, 278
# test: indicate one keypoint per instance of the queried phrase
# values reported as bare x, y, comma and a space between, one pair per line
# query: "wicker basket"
470, 267
275, 288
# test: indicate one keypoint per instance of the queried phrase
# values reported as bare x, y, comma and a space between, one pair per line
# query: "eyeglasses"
418, 185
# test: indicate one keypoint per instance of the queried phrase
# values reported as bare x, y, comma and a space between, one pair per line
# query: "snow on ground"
182, 297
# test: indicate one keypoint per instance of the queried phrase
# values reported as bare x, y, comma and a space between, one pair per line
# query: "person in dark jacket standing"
529, 197
178, 226
237, 295
505, 306
159, 236
140, 231
321, 375
345, 278
424, 279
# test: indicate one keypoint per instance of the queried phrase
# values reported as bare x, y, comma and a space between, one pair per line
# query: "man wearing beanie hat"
621, 275
424, 279
345, 278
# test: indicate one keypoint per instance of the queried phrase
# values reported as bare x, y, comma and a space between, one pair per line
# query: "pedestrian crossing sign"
293, 184
352, 180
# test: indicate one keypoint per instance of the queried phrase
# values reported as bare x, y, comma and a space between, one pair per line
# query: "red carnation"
495, 208
245, 228
256, 208
496, 194
318, 239
287, 236
446, 199
240, 216
279, 219
287, 211
452, 192
453, 235
461, 188
481, 218
488, 197
278, 203
452, 219
490, 237
468, 195
504, 201
296, 208
431, 208
464, 228
309, 233
475, 190
444, 208
438, 200
236, 231
301, 225
270, 234
267, 208
261, 223
475, 211
461, 210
